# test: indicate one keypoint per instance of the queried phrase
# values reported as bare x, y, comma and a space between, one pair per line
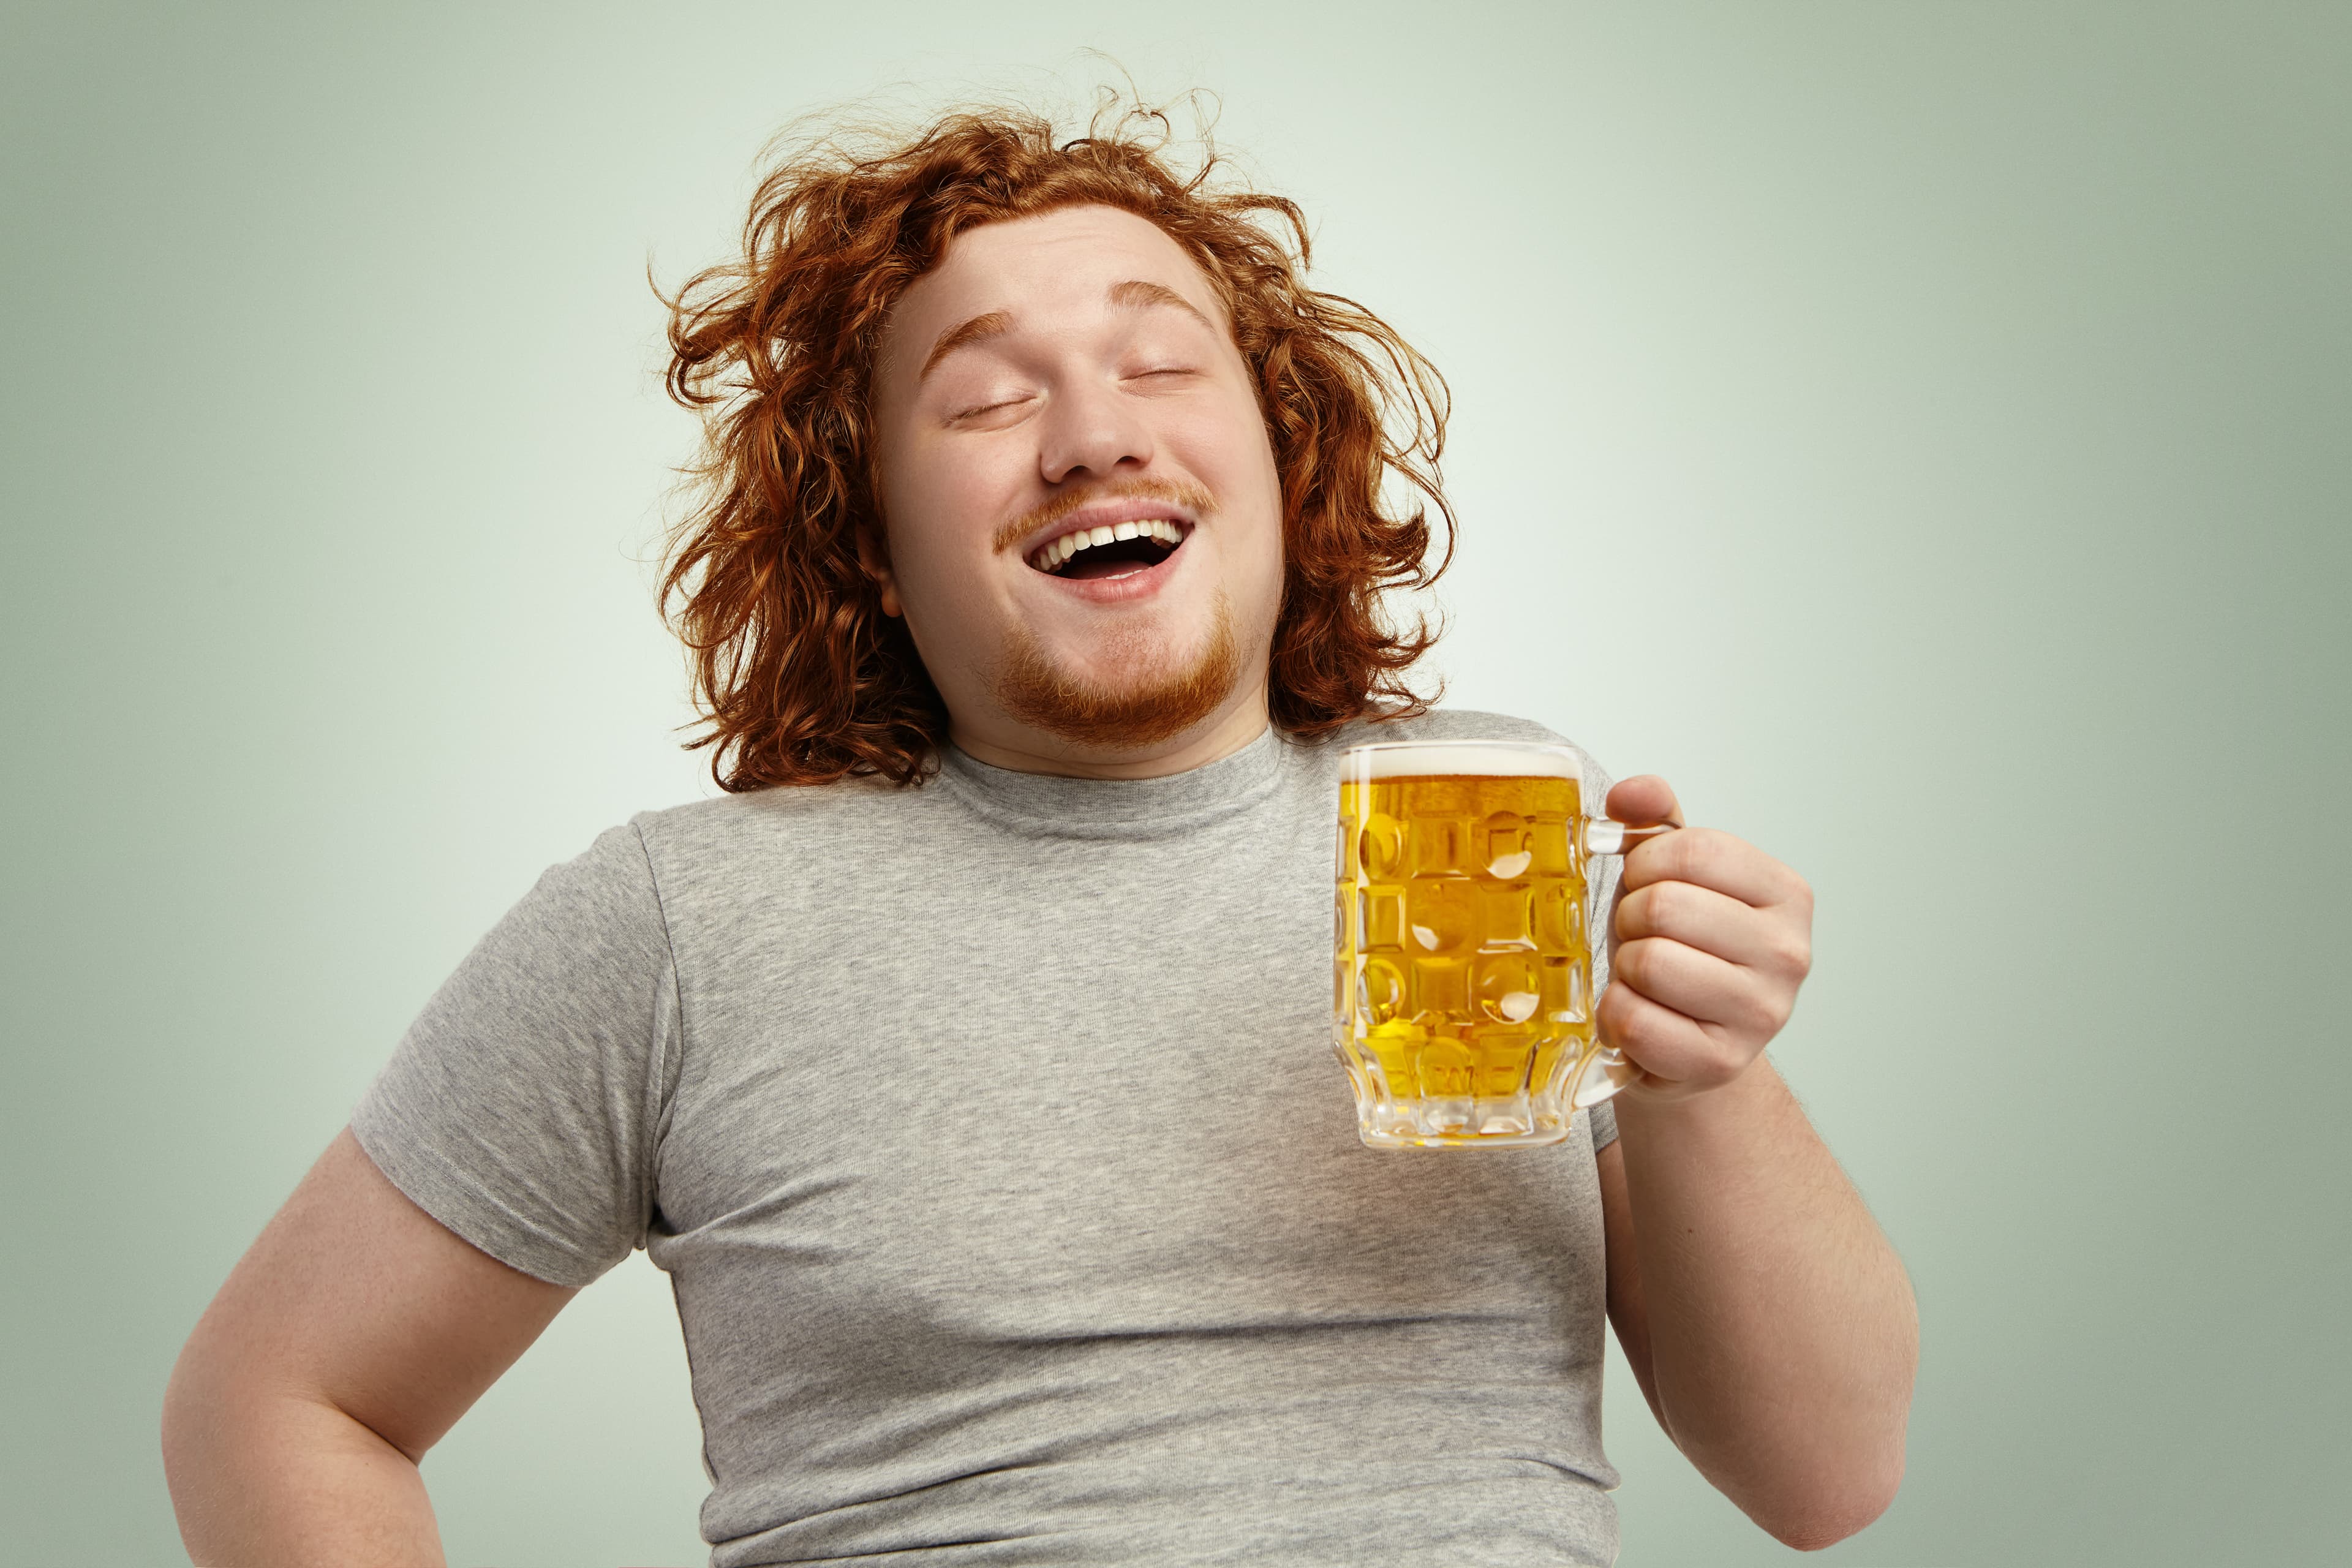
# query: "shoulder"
786, 809
771, 832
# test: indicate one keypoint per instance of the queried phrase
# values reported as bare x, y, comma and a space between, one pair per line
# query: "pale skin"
1769, 1322
1093, 354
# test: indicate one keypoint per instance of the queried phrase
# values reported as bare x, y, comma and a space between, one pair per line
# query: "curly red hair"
800, 675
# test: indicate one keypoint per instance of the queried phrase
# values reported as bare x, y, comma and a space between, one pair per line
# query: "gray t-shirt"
991, 1136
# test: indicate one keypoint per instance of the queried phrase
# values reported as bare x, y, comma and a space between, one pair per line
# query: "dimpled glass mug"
1462, 1002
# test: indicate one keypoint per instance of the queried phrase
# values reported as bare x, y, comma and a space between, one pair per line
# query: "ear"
874, 560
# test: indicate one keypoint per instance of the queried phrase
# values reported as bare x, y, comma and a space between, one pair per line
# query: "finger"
1643, 800
1710, 858
1703, 987
1774, 941
1667, 1047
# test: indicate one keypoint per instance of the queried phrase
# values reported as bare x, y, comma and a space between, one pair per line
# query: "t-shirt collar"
1054, 805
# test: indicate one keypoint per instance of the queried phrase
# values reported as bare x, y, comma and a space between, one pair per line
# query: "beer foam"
1476, 759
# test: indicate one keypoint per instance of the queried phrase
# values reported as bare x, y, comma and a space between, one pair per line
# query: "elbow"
191, 1429
183, 1414
1811, 1517
210, 1418
1822, 1532
192, 1420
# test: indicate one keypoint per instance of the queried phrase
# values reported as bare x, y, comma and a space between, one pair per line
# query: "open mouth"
1110, 550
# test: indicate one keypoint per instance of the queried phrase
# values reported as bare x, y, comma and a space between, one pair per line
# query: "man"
964, 1065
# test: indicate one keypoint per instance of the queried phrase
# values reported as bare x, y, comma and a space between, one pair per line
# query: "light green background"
1921, 432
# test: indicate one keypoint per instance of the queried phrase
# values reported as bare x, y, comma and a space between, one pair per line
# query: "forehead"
1044, 268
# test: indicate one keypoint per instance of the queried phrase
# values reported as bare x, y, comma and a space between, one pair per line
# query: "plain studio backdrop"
1922, 433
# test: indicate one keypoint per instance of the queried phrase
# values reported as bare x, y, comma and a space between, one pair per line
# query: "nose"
1091, 430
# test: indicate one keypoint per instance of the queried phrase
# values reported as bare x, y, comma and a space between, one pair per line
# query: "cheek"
939, 507
1253, 489
1228, 447
929, 497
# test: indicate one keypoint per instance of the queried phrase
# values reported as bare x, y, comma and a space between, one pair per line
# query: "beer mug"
1462, 1001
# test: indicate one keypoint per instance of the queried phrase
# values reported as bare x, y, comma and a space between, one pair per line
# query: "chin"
1152, 696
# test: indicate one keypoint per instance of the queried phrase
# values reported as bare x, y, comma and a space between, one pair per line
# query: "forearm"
1782, 1336
275, 1480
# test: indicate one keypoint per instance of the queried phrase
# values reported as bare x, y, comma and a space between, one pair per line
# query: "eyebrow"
1138, 292
1133, 294
979, 328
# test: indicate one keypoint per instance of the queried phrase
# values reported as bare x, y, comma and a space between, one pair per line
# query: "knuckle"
1638, 1030
1620, 1000
1696, 851
1636, 914
1725, 846
1793, 953
1772, 1010
1609, 1016
1800, 894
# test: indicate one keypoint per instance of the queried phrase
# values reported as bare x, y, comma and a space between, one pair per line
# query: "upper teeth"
1048, 556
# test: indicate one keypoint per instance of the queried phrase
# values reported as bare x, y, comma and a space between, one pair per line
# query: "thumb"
1645, 799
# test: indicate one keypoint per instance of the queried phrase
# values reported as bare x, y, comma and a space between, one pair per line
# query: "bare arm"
1770, 1324
346, 1343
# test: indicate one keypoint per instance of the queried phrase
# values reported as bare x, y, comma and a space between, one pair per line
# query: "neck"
1026, 751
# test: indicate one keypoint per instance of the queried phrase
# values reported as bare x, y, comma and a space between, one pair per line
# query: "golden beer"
1462, 961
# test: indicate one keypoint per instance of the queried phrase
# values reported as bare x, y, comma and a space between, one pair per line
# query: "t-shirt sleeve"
522, 1108
1604, 1125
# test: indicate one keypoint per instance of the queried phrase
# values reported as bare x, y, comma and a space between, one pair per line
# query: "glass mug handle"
1604, 835
1606, 1070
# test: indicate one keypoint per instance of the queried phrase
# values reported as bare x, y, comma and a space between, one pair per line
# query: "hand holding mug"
1714, 938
